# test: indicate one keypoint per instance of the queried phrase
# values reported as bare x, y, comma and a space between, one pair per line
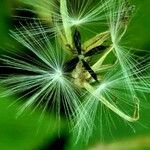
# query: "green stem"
102, 99
101, 60
65, 18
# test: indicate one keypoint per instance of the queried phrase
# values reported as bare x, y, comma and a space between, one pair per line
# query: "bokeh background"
31, 131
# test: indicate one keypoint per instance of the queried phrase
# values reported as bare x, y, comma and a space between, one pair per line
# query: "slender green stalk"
126, 117
65, 17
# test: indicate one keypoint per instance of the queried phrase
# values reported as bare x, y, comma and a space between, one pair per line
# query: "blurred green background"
30, 132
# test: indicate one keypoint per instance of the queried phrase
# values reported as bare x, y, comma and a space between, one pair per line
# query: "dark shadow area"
58, 143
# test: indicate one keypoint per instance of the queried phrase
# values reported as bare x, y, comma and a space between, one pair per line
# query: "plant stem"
126, 117
65, 21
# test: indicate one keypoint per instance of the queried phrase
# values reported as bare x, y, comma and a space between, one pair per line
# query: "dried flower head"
87, 77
